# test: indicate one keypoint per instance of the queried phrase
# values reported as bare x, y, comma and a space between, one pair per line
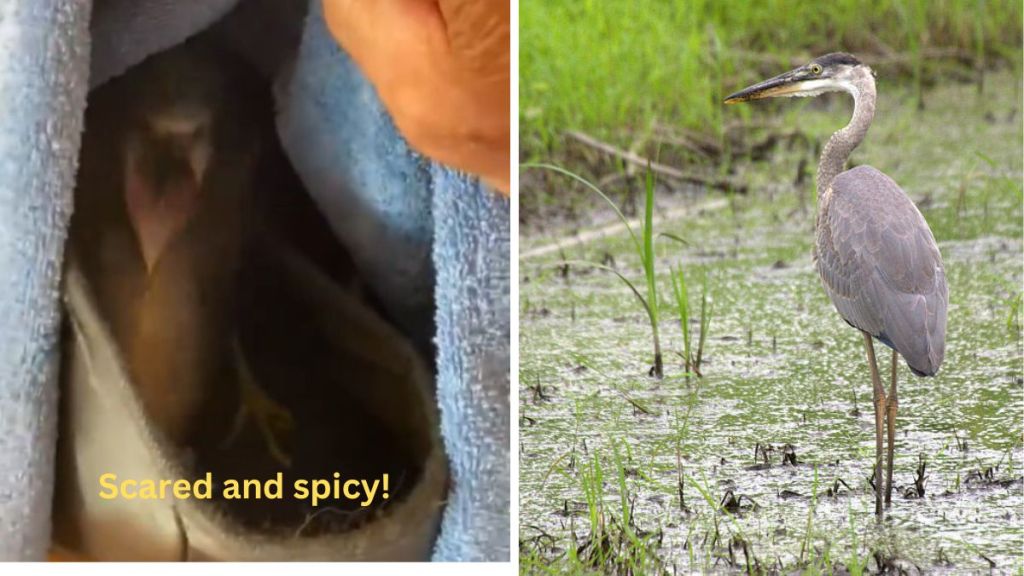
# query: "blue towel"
432, 243
43, 83
471, 253
373, 189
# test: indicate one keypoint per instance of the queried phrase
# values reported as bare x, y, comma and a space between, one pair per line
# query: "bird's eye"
815, 68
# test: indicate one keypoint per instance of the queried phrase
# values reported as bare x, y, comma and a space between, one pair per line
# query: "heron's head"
835, 72
168, 149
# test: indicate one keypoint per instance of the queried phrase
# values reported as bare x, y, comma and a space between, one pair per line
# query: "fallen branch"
662, 169
586, 236
690, 139
739, 145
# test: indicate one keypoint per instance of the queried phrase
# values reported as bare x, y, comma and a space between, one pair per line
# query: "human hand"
441, 67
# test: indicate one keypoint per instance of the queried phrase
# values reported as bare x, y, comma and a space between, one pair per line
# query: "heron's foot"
274, 421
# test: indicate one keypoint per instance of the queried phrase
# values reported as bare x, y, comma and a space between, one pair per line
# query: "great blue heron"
875, 253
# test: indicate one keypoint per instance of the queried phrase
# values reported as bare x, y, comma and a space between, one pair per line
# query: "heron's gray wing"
881, 267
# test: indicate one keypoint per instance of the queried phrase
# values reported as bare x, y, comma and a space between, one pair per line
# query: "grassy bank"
602, 66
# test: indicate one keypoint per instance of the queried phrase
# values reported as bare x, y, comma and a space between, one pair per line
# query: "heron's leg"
879, 397
890, 420
274, 421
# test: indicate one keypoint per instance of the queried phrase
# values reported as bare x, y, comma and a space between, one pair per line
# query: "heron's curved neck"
842, 143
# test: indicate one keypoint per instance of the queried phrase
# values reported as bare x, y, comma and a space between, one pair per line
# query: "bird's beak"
161, 208
198, 160
798, 82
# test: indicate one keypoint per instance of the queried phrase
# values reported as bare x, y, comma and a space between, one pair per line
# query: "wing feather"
881, 267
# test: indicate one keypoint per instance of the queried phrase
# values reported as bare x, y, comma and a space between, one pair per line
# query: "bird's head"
835, 72
169, 146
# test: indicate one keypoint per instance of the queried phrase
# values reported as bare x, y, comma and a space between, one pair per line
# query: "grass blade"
648, 261
705, 323
683, 305
587, 183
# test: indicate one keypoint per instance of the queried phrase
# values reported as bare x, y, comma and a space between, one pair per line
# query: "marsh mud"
766, 461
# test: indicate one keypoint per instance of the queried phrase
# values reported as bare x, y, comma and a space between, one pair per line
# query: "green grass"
612, 544
604, 66
644, 244
692, 357
856, 563
1013, 318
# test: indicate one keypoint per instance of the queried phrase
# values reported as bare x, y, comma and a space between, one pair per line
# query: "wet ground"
783, 371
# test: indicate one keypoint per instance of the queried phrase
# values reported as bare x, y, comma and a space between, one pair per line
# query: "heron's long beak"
798, 82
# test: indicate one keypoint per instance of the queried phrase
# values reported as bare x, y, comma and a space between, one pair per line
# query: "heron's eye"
815, 68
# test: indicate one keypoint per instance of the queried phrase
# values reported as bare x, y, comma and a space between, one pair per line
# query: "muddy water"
782, 368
